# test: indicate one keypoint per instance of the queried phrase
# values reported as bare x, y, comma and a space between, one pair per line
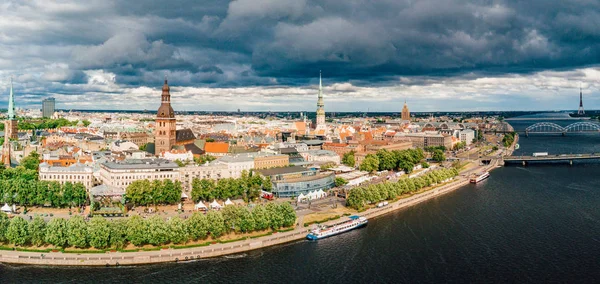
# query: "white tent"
311, 195
321, 193
301, 197
6, 208
228, 202
200, 205
215, 205
184, 196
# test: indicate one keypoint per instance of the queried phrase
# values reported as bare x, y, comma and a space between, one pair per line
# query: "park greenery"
459, 145
46, 123
32, 161
248, 187
348, 159
101, 233
144, 147
340, 181
383, 160
204, 159
201, 160
508, 139
156, 192
359, 197
438, 156
21, 186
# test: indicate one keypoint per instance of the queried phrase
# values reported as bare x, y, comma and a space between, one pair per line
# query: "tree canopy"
248, 187
145, 192
101, 233
348, 159
359, 197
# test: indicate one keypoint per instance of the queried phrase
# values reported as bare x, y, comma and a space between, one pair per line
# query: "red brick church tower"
164, 134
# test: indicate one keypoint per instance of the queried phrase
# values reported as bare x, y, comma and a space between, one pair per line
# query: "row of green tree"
201, 160
392, 160
101, 233
156, 192
359, 197
19, 172
42, 193
46, 123
248, 187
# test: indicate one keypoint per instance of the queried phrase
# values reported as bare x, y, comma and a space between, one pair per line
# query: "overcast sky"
266, 54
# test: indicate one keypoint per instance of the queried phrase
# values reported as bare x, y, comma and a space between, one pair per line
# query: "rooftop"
216, 147
304, 178
184, 135
141, 164
322, 153
282, 171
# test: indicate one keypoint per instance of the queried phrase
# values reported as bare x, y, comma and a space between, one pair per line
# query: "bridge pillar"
564, 133
524, 163
570, 162
526, 133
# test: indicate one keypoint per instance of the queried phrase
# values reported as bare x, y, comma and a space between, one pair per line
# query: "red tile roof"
216, 147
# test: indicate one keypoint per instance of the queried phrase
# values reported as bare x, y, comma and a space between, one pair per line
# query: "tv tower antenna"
580, 111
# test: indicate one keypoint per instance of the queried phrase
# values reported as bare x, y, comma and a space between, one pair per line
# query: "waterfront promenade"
213, 250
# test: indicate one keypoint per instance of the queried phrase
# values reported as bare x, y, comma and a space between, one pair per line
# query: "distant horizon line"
304, 111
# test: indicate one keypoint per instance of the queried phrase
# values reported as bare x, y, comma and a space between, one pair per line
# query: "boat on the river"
322, 231
480, 177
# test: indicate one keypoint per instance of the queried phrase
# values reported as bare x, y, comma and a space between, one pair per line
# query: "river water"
534, 224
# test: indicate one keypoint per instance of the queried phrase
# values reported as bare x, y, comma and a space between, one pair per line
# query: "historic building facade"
320, 109
165, 129
405, 112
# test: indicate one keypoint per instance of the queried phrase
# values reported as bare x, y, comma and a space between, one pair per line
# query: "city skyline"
267, 57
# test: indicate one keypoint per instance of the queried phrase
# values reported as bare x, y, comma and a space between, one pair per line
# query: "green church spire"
11, 103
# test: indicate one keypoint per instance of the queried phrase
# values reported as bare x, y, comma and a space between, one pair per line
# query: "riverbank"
212, 250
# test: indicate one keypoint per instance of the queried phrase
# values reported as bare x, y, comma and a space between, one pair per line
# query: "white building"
207, 171
181, 155
120, 146
467, 136
325, 156
73, 173
123, 173
236, 164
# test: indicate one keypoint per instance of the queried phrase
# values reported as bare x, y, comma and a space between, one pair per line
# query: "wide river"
533, 224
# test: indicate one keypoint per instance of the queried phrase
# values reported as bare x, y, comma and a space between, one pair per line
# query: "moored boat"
327, 231
478, 178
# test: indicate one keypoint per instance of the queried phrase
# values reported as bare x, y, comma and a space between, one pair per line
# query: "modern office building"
48, 106
291, 181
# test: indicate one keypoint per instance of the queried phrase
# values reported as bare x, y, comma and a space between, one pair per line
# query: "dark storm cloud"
286, 42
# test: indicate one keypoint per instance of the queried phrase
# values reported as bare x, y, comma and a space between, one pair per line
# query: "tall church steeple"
320, 106
11, 102
10, 127
165, 129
